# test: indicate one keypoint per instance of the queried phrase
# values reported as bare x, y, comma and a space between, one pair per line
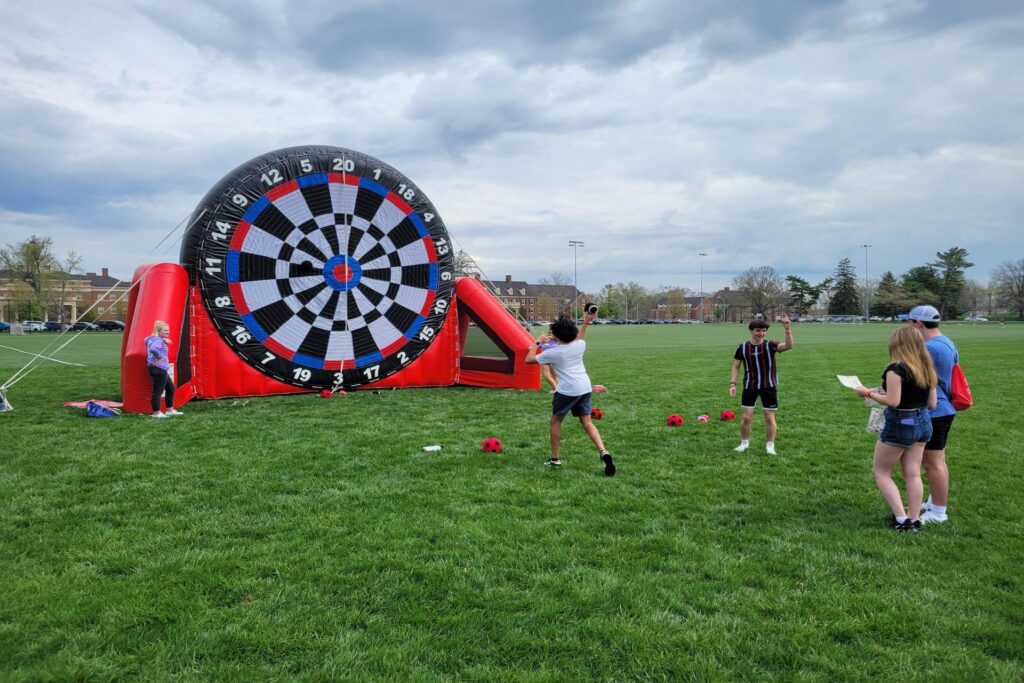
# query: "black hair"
758, 324
564, 329
929, 324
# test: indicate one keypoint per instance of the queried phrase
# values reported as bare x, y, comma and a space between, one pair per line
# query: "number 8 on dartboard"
321, 267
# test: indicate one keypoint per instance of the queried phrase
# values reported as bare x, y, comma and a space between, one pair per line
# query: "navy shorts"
769, 398
904, 428
940, 431
562, 404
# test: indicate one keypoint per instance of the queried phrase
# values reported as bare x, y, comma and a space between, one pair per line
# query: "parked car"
5, 327
975, 319
82, 325
52, 326
33, 325
111, 325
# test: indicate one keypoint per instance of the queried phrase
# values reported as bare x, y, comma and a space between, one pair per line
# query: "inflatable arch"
313, 268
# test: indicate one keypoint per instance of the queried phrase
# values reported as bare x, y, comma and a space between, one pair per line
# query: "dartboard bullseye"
321, 267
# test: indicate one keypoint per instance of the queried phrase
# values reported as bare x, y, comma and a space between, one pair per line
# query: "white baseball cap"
928, 314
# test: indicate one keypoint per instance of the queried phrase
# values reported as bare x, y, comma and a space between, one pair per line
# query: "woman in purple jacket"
158, 362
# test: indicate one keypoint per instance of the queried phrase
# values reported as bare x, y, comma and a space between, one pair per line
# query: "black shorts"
769, 398
940, 430
562, 404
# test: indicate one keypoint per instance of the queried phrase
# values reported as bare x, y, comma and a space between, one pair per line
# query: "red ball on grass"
674, 420
491, 445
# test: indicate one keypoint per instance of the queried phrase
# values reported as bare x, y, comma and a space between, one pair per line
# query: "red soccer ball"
702, 418
491, 445
596, 413
674, 420
727, 415
326, 393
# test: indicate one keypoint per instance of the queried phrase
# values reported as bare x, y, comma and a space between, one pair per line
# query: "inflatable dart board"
321, 267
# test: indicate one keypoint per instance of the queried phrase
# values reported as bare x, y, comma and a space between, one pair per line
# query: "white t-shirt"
567, 360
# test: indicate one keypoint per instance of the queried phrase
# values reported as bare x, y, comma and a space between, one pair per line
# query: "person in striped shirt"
760, 380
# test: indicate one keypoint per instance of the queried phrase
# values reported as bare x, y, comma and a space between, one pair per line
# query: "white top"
567, 360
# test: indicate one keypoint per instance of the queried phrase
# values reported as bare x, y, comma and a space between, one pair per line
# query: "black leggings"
162, 384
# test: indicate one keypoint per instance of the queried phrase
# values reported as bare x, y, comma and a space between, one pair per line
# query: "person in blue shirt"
926, 319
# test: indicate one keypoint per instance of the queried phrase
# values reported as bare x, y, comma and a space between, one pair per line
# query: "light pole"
701, 304
866, 247
575, 244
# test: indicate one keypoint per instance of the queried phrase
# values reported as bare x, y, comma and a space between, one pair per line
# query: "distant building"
535, 302
80, 292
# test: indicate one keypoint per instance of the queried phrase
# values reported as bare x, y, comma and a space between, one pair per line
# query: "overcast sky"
785, 133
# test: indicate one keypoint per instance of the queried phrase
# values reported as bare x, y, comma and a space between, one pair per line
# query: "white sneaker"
770, 449
172, 411
742, 447
932, 516
159, 415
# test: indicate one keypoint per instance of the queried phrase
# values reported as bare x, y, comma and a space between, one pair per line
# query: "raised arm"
587, 319
788, 344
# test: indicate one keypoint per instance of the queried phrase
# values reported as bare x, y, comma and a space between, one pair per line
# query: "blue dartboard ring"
321, 267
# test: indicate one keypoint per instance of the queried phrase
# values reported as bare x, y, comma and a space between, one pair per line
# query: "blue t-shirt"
944, 354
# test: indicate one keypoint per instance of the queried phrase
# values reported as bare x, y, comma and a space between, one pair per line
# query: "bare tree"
1008, 279
464, 264
62, 273
32, 263
762, 287
561, 289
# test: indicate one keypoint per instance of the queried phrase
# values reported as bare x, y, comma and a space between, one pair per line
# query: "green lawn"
296, 537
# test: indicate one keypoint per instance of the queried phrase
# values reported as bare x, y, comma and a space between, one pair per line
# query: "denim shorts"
904, 428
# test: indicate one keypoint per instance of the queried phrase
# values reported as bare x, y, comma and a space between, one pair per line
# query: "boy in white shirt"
574, 387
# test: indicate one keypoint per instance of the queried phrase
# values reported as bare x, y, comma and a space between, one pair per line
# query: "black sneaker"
609, 466
553, 463
911, 525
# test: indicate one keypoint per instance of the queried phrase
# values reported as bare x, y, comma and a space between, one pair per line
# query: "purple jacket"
158, 353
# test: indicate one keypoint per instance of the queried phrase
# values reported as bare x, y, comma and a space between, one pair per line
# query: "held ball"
727, 415
674, 420
702, 418
590, 308
491, 445
596, 413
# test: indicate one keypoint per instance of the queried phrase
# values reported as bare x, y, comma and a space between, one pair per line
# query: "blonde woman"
908, 392
158, 362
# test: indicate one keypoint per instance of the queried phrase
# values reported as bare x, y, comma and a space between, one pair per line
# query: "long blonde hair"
157, 325
906, 347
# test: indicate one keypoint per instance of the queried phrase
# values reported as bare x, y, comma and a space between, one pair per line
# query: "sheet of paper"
849, 381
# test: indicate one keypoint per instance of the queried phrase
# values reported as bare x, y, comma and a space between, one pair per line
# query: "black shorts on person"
940, 431
562, 404
769, 398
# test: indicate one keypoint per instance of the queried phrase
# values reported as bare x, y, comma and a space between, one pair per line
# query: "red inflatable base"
205, 367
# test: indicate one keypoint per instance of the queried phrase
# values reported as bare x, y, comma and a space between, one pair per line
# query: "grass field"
301, 538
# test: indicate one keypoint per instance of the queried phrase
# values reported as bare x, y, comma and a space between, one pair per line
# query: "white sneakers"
158, 415
769, 448
172, 411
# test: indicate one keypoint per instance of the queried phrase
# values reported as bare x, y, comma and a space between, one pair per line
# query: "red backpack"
959, 391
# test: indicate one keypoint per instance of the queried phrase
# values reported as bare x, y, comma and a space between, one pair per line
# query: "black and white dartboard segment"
323, 267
